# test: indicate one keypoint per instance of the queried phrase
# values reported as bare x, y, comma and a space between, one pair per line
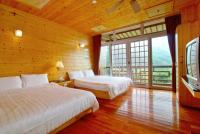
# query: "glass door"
140, 62
161, 62
146, 61
119, 60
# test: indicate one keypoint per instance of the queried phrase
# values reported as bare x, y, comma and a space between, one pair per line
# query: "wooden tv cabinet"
187, 96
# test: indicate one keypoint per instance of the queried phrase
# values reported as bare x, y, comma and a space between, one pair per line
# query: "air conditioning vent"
99, 28
35, 3
160, 9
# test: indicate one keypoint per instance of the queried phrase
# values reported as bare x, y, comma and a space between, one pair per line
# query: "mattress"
41, 109
113, 85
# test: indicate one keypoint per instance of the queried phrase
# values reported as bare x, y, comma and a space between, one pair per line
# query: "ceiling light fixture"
94, 1
18, 33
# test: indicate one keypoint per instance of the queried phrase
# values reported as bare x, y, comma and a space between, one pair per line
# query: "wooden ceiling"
84, 16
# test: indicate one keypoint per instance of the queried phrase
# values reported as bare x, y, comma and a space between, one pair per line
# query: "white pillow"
75, 74
32, 80
13, 82
88, 73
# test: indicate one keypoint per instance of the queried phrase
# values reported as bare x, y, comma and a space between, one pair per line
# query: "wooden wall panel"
42, 45
188, 30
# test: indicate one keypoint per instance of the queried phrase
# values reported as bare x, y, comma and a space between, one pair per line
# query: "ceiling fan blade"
135, 6
115, 6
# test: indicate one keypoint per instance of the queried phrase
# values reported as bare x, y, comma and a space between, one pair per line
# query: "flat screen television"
193, 63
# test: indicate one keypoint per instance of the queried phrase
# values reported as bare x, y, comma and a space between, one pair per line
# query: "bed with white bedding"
41, 109
105, 87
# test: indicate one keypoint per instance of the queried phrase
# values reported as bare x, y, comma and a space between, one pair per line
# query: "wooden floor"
139, 111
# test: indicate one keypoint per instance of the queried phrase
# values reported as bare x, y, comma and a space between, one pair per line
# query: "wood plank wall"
42, 45
188, 30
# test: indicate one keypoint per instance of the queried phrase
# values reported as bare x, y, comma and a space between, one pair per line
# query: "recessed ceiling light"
94, 1
18, 33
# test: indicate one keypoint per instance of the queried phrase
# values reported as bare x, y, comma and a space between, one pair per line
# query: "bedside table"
65, 83
70, 84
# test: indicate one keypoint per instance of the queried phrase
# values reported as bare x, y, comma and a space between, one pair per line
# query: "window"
161, 60
119, 62
145, 29
144, 56
139, 61
105, 60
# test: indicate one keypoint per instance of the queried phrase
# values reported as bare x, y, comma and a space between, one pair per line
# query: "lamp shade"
59, 65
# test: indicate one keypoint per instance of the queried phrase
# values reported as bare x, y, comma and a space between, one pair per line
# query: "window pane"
160, 51
105, 60
161, 59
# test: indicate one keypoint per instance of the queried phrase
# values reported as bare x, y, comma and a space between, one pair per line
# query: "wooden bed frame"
71, 121
101, 94
97, 93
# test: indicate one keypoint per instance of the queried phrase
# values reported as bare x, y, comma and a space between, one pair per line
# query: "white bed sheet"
40, 110
113, 85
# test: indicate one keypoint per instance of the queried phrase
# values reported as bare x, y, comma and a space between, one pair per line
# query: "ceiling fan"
134, 4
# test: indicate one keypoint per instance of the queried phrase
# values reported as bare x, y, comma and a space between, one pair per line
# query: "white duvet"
41, 109
113, 85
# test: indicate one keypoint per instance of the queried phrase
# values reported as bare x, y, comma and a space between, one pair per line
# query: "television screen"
192, 63
191, 59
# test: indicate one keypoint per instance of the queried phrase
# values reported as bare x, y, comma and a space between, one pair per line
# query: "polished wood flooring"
139, 111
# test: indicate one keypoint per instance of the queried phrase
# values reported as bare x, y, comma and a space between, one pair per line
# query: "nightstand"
65, 83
